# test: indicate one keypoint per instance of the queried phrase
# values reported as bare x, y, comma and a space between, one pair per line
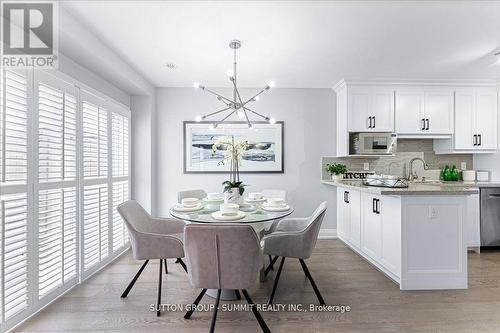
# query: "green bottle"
447, 174
454, 174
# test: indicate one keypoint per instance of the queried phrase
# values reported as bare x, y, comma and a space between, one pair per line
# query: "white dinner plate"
218, 216
276, 208
255, 200
179, 208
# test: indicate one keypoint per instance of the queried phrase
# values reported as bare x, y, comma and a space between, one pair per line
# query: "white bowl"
255, 195
190, 202
214, 196
229, 209
275, 202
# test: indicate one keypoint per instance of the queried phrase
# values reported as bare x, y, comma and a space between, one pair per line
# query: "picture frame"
265, 153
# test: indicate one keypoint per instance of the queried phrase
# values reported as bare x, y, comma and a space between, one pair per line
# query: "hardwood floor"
377, 305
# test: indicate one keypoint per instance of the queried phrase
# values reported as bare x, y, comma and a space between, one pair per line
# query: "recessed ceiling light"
170, 65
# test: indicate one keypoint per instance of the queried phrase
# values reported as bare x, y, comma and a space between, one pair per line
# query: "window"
56, 196
64, 167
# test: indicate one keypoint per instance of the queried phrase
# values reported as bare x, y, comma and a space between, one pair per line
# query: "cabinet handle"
423, 124
374, 122
370, 122
427, 127
378, 206
479, 137
474, 140
374, 205
347, 196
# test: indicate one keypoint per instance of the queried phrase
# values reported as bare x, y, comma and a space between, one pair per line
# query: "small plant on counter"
336, 170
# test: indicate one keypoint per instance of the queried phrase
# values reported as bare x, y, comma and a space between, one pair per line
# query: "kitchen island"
415, 235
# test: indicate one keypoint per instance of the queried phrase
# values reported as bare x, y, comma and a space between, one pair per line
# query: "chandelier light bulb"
272, 121
256, 98
271, 84
196, 85
198, 119
230, 73
250, 126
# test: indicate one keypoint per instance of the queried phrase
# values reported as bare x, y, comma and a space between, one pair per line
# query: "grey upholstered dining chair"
223, 256
152, 238
200, 194
273, 193
294, 238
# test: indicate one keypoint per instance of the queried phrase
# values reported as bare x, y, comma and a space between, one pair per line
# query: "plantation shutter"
97, 200
14, 230
95, 140
14, 210
64, 167
57, 242
13, 128
120, 162
95, 224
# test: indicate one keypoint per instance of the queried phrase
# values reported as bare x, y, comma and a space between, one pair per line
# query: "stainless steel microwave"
372, 143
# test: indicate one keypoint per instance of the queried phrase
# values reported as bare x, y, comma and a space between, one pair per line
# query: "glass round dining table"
260, 219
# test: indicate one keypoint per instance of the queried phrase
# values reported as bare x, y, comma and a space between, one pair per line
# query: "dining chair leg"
268, 269
271, 262
256, 312
214, 317
195, 303
309, 276
276, 281
237, 292
165, 263
182, 264
131, 284
159, 289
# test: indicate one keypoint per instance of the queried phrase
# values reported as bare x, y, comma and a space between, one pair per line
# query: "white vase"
232, 195
337, 178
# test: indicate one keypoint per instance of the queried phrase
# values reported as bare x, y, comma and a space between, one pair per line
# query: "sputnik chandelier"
236, 104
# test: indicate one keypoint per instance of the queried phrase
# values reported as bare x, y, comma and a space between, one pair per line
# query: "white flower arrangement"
233, 151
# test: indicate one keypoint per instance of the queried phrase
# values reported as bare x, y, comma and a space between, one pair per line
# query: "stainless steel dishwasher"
490, 217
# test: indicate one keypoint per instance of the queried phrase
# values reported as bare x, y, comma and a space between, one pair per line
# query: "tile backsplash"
397, 165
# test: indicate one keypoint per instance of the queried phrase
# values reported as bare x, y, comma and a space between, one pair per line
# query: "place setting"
228, 212
255, 197
188, 205
275, 205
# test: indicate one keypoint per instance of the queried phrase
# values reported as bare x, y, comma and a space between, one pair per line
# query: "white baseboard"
327, 234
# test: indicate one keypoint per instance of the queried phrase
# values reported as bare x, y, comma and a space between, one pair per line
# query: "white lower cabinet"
371, 225
371, 235
349, 216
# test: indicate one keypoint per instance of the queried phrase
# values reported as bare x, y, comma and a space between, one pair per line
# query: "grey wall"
309, 129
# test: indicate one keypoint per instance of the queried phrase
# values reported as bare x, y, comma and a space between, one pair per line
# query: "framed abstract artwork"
264, 153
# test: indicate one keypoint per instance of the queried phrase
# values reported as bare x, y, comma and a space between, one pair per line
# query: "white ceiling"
299, 44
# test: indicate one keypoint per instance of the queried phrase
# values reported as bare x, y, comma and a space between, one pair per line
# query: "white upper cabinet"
475, 119
370, 108
424, 111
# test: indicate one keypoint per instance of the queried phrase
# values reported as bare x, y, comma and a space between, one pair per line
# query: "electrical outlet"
366, 166
463, 166
433, 212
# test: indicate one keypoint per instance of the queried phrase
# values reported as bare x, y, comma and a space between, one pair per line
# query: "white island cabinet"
417, 238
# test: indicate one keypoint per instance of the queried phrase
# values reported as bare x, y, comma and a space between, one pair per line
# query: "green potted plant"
233, 151
337, 171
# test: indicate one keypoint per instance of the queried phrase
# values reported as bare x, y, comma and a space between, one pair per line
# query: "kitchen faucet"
412, 176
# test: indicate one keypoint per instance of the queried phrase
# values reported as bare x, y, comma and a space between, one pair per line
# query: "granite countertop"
429, 188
